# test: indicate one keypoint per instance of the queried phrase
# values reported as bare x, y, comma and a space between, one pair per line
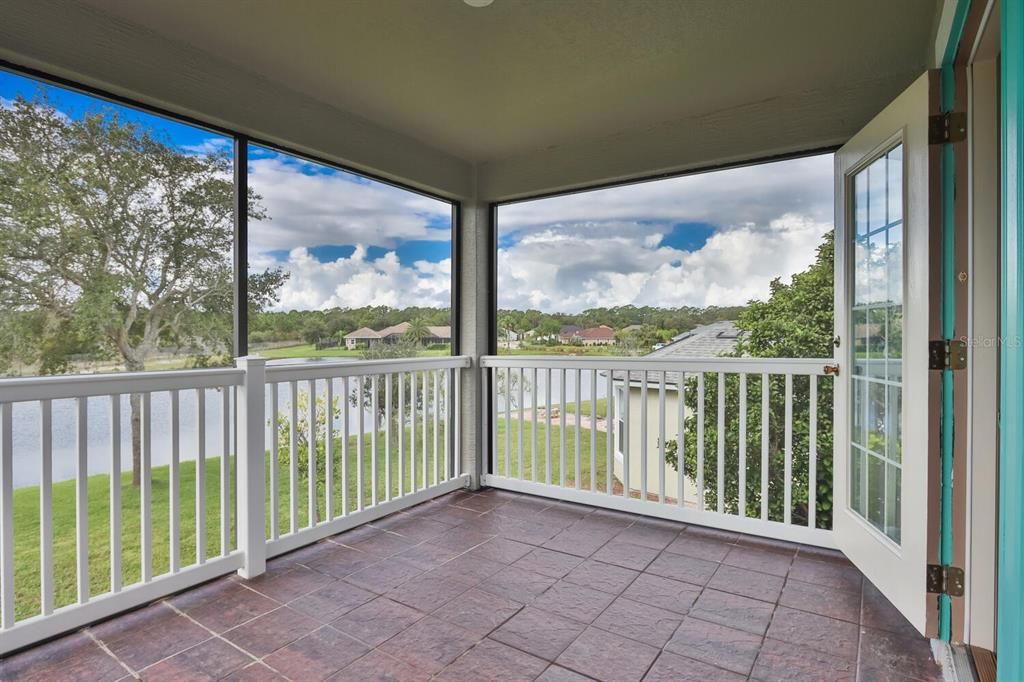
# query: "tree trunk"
135, 400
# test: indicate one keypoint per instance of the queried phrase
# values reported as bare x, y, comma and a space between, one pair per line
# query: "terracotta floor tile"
825, 601
517, 584
377, 621
492, 661
663, 592
478, 611
387, 575
673, 668
255, 672
827, 635
681, 567
882, 651
542, 634
430, 644
601, 576
211, 660
747, 583
785, 661
427, 592
142, 648
717, 645
605, 656
574, 601
271, 631
548, 562
317, 655
829, 574
556, 673
691, 545
331, 601
71, 658
733, 610
641, 622
621, 553
377, 666
759, 560
232, 610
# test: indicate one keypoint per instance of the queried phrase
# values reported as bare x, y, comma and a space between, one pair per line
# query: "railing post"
251, 465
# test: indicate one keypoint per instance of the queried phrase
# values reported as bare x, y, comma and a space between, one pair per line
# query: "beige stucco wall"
653, 451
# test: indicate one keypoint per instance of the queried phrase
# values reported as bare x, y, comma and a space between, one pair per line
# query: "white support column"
474, 299
251, 465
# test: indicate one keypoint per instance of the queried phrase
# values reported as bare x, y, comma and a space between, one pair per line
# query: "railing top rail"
25, 389
330, 370
800, 366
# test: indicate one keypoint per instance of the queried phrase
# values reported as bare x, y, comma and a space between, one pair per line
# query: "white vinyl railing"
733, 443
345, 443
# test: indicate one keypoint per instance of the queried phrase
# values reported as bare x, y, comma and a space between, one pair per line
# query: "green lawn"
26, 516
561, 349
534, 445
307, 350
602, 407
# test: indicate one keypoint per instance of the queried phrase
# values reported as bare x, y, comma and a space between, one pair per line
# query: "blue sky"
716, 238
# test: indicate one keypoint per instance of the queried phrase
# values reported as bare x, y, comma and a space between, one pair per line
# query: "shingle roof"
363, 333
706, 341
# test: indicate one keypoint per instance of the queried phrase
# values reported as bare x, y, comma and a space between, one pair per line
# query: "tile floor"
499, 586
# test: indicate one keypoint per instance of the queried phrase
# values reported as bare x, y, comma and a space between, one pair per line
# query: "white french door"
882, 506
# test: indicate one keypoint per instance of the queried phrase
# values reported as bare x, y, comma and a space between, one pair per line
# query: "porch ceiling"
417, 89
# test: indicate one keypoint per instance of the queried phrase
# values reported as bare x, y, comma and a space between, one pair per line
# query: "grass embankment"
602, 407
308, 350
535, 454
26, 515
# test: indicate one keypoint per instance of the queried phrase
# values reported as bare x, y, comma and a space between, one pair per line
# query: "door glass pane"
877, 318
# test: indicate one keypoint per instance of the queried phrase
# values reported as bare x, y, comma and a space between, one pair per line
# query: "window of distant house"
344, 266
116, 231
627, 269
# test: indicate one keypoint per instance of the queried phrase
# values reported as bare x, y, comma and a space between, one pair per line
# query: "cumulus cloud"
358, 281
604, 248
309, 207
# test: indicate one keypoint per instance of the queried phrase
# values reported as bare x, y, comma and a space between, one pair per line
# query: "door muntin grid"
876, 315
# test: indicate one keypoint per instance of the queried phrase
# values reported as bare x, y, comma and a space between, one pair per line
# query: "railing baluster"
374, 406
456, 429
82, 498
311, 463
46, 507
492, 379
447, 423
812, 452
700, 441
720, 475
578, 417
593, 430
425, 442
401, 434
346, 414
661, 438
175, 486
547, 426
681, 439
226, 421
743, 447
275, 450
115, 496
788, 496
609, 430
387, 436
624, 408
361, 435
765, 426
412, 432
533, 430
562, 430
200, 475
437, 426
293, 463
6, 517
643, 437
522, 380
329, 450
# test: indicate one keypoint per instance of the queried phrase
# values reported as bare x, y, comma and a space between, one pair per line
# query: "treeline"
314, 325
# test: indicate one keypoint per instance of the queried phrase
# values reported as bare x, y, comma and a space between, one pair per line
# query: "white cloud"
310, 210
356, 281
602, 248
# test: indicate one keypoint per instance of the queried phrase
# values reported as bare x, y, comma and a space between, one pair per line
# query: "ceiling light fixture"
478, 3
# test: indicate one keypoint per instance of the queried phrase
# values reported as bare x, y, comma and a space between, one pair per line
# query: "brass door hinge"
948, 127
831, 370
947, 354
945, 580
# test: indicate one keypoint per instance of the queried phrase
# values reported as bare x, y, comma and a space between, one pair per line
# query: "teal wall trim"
1010, 624
947, 98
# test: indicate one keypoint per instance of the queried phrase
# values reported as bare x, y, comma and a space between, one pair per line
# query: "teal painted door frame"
1010, 599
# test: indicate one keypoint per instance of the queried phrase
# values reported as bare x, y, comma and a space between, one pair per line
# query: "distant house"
366, 337
706, 341
601, 335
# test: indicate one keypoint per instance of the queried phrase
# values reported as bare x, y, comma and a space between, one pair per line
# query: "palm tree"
418, 330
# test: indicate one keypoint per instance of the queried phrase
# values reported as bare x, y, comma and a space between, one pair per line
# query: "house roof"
706, 341
363, 333
395, 329
441, 332
602, 331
